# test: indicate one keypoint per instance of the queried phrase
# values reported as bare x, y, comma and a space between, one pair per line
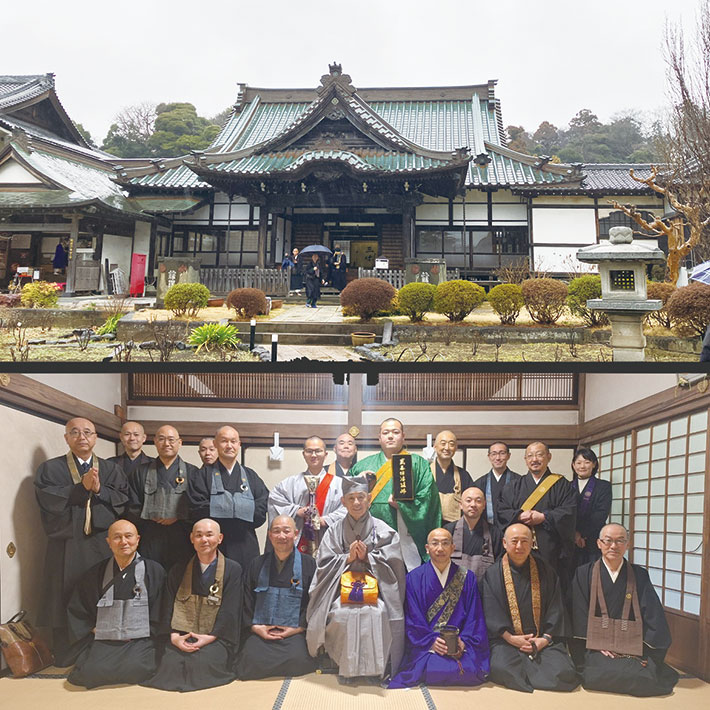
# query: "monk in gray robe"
159, 503
525, 617
621, 657
201, 616
79, 496
114, 614
362, 632
275, 602
313, 512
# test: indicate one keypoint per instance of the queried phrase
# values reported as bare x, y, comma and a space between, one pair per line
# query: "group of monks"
154, 574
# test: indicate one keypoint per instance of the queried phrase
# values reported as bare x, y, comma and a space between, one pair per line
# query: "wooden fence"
223, 279
396, 276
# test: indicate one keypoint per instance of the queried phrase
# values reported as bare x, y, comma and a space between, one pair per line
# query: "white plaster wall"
560, 226
12, 172
21, 579
240, 212
443, 419
560, 259
474, 213
508, 213
118, 251
101, 390
604, 393
564, 200
432, 212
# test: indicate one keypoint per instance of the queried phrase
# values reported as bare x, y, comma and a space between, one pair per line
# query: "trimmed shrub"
456, 299
247, 302
507, 301
661, 292
10, 300
186, 299
545, 299
579, 292
214, 336
689, 307
366, 297
40, 294
415, 299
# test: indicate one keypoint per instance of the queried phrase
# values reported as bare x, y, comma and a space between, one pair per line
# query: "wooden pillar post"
355, 400
72, 262
263, 226
408, 229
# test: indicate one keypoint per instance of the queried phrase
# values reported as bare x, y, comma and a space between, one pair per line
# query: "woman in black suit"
593, 505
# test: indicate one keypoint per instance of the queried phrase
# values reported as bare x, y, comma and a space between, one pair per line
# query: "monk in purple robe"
447, 641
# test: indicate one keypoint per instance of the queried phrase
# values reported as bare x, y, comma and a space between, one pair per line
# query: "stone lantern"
622, 267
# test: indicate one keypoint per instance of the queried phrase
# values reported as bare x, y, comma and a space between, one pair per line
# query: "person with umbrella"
314, 273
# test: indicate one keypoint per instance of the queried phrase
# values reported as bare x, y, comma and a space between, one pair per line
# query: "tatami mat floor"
322, 692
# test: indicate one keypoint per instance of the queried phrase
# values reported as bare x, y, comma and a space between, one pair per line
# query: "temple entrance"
359, 242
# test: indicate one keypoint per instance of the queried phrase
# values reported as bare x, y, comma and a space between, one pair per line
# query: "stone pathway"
301, 314
316, 352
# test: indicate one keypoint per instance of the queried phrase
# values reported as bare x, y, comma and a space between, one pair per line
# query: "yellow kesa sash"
450, 502
534, 498
513, 599
384, 476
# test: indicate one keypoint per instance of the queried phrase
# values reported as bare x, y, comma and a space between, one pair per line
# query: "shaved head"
207, 523
283, 520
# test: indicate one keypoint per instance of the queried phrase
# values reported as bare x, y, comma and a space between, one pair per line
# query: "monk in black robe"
275, 602
79, 496
642, 671
527, 640
201, 617
477, 544
593, 505
552, 518
159, 503
132, 437
233, 495
451, 480
114, 614
493, 482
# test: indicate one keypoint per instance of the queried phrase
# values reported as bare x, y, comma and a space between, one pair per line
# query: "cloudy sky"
551, 57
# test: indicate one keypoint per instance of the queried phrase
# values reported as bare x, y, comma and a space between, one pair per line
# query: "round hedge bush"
366, 297
456, 299
689, 307
507, 301
545, 299
579, 292
247, 302
186, 299
661, 292
39, 294
415, 299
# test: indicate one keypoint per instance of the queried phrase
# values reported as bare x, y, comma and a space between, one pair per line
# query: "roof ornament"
482, 160
22, 139
542, 161
335, 79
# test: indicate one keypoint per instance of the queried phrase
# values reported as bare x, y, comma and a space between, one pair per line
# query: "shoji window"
658, 482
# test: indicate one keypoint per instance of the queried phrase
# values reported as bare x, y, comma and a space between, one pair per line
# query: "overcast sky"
550, 57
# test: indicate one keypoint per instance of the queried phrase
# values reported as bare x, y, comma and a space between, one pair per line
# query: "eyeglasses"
313, 452
609, 542
439, 543
536, 457
497, 454
76, 433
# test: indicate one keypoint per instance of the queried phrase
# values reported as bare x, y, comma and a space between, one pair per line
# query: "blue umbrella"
316, 249
702, 273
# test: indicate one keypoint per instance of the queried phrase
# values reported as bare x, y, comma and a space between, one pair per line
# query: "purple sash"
585, 498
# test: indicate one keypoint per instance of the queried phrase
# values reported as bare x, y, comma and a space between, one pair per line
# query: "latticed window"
658, 482
620, 219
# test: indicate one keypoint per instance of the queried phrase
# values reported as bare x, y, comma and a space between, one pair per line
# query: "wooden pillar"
72, 263
355, 400
263, 226
408, 230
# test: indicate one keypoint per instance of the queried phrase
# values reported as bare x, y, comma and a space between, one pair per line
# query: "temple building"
401, 173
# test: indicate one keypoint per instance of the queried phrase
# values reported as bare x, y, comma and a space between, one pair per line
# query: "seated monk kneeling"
522, 604
617, 611
114, 614
202, 610
275, 602
443, 599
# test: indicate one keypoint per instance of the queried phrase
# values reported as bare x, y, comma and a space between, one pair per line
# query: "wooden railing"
396, 276
223, 279
281, 387
456, 388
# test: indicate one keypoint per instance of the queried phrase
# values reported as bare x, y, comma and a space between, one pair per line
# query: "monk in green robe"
413, 519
